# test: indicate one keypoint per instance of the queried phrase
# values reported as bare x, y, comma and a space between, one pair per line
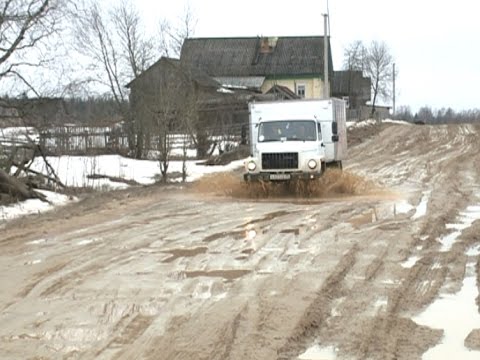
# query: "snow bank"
74, 171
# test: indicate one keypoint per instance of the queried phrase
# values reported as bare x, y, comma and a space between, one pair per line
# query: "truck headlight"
251, 166
312, 164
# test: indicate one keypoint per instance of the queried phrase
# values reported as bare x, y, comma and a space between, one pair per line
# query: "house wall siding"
313, 85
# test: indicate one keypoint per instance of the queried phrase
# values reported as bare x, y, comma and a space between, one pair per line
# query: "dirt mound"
333, 183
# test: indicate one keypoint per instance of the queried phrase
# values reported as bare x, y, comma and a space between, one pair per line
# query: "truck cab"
295, 139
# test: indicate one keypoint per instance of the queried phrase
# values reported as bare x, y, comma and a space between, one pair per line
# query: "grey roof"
197, 75
288, 56
246, 82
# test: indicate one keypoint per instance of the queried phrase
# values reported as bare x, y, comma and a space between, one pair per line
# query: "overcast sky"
435, 43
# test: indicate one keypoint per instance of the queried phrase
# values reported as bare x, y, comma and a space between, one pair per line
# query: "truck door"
327, 135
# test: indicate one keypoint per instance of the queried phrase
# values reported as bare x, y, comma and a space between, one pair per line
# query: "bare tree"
26, 27
375, 62
378, 66
354, 56
27, 30
115, 42
172, 35
137, 48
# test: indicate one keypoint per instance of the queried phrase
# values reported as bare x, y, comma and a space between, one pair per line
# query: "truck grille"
279, 161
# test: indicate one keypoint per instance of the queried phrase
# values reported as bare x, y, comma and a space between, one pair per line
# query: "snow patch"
410, 262
74, 170
473, 251
466, 219
37, 242
457, 315
87, 241
316, 352
421, 209
403, 207
33, 206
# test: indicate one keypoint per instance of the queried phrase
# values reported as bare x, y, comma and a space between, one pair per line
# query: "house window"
301, 90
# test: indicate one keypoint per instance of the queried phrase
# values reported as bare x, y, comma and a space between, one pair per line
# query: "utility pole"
326, 87
393, 89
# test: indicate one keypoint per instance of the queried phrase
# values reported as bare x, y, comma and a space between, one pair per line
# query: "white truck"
295, 139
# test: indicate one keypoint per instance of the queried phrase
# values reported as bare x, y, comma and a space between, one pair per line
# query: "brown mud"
333, 183
214, 271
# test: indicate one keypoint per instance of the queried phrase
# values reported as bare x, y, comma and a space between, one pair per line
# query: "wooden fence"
81, 140
72, 140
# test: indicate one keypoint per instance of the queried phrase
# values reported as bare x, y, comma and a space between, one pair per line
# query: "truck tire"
335, 165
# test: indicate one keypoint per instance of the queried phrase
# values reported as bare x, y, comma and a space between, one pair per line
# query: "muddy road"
191, 273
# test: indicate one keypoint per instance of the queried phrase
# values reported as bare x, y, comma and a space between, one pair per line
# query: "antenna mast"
326, 87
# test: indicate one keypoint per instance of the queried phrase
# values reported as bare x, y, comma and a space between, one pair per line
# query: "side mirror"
335, 138
334, 128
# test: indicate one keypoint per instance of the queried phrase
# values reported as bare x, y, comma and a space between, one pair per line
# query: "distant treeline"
428, 115
92, 111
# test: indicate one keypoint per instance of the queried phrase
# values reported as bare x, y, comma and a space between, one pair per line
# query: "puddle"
317, 352
237, 235
248, 251
473, 251
447, 241
251, 234
421, 208
37, 242
389, 282
87, 241
33, 262
457, 314
294, 252
176, 215
336, 303
267, 217
410, 262
381, 304
248, 234
402, 207
290, 231
363, 219
226, 274
178, 253
465, 220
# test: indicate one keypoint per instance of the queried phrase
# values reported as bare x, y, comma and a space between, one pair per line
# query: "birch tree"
115, 42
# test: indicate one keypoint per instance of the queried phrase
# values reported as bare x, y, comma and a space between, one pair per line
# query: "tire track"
319, 310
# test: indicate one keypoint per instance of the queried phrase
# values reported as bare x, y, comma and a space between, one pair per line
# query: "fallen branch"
114, 179
37, 173
17, 189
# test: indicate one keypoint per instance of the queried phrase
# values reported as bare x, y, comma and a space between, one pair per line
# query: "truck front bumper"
264, 176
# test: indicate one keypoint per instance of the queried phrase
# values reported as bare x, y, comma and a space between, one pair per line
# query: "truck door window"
319, 128
271, 131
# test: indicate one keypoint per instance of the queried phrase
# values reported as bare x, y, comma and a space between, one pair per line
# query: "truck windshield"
298, 130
